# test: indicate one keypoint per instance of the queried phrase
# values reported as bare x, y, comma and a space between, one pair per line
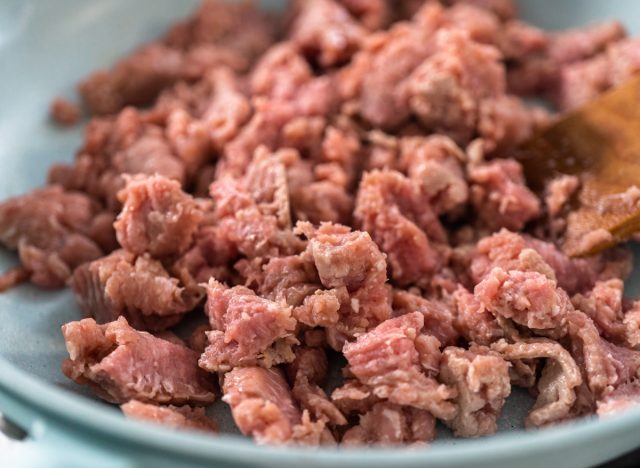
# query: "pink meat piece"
157, 217
506, 121
135, 80
439, 317
400, 221
354, 397
528, 298
480, 24
445, 91
482, 380
583, 81
435, 164
383, 70
240, 27
604, 305
50, 228
372, 14
519, 40
207, 258
349, 263
325, 31
576, 44
177, 417
217, 34
622, 399
247, 330
121, 364
632, 325
504, 249
558, 383
64, 112
473, 321
308, 371
254, 211
150, 155
387, 424
137, 288
591, 354
500, 196
262, 406
559, 192
13, 277
504, 9
387, 360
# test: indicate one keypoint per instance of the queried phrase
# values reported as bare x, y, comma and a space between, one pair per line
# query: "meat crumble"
340, 181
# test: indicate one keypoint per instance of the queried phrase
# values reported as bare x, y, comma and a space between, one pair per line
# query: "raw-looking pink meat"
435, 164
387, 360
387, 424
504, 250
308, 372
439, 317
482, 380
262, 406
528, 298
120, 364
557, 384
247, 330
325, 31
177, 417
137, 288
473, 321
350, 262
446, 90
604, 305
399, 218
50, 228
157, 217
500, 197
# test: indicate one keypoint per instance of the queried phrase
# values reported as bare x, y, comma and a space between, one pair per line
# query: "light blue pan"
45, 47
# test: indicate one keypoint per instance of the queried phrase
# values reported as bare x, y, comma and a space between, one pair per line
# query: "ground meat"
387, 359
349, 261
500, 197
604, 305
473, 321
435, 164
400, 221
439, 317
482, 381
339, 184
504, 249
557, 384
326, 32
64, 112
137, 288
387, 424
528, 298
246, 330
120, 364
178, 417
49, 228
445, 91
157, 217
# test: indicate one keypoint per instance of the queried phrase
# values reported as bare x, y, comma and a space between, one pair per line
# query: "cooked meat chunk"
120, 364
178, 417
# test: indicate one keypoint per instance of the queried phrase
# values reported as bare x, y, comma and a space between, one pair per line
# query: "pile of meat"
339, 185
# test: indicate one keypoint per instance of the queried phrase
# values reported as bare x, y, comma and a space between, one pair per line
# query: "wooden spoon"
601, 144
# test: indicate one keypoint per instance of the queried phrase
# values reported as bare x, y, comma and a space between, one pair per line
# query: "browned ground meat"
338, 184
